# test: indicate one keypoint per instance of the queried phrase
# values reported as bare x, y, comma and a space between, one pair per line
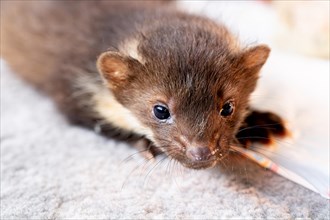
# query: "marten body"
137, 70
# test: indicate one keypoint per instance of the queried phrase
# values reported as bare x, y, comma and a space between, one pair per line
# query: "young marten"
174, 82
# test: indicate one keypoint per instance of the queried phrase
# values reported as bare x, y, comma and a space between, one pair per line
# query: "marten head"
187, 83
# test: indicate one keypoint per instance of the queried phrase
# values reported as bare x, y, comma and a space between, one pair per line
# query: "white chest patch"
116, 114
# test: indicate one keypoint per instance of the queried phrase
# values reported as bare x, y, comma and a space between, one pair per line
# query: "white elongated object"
296, 88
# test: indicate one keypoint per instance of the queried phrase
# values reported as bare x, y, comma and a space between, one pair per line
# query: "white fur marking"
109, 108
130, 48
116, 114
188, 81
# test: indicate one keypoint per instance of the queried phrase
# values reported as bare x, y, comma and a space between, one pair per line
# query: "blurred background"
300, 27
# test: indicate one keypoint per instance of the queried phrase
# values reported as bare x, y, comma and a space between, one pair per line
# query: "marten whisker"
174, 172
223, 163
150, 170
264, 151
165, 158
167, 171
142, 162
132, 155
260, 126
280, 141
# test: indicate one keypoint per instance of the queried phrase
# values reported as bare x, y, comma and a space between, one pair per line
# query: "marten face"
190, 91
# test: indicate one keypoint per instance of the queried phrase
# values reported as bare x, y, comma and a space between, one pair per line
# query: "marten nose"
198, 153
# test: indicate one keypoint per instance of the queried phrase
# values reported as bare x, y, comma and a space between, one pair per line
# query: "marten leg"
146, 148
261, 127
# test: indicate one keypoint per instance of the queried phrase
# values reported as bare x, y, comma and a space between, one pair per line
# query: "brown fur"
148, 54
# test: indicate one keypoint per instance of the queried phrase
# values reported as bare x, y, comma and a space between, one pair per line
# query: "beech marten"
142, 71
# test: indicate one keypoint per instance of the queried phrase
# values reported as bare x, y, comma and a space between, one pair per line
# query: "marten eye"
161, 112
227, 109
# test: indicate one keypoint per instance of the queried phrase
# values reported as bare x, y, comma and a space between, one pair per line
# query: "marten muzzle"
199, 153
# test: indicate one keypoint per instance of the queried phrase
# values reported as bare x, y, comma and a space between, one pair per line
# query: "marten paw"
146, 148
261, 127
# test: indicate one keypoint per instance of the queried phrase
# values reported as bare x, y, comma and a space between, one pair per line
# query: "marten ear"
114, 68
254, 58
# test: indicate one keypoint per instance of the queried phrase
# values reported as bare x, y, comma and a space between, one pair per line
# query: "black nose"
199, 153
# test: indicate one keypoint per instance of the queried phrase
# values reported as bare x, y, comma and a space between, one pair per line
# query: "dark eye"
161, 112
227, 109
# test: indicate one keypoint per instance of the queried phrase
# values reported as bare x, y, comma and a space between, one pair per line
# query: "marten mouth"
180, 154
200, 165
